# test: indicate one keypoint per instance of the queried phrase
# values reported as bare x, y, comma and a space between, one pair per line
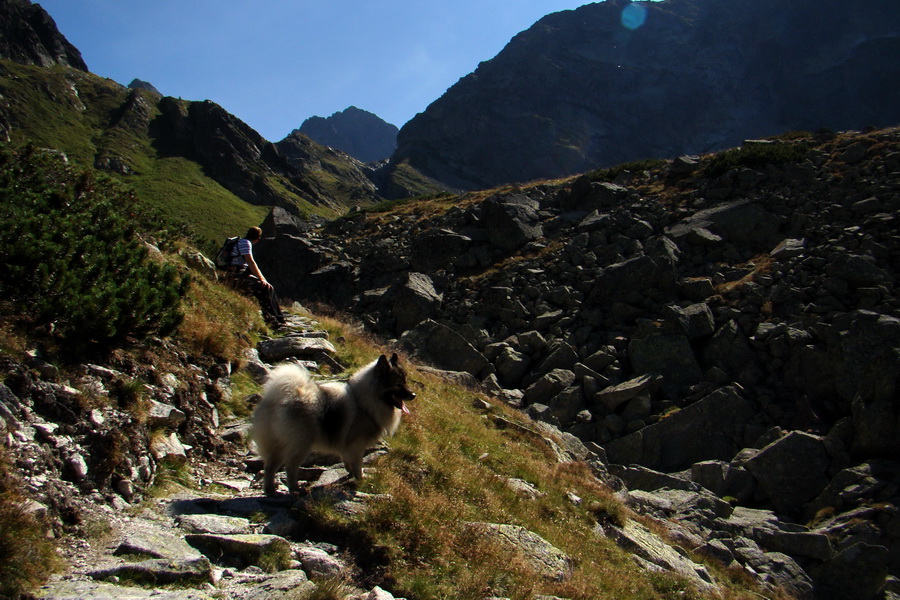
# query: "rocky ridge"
599, 85
723, 330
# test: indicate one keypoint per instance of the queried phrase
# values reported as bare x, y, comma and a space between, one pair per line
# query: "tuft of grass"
171, 477
275, 557
27, 556
330, 588
242, 387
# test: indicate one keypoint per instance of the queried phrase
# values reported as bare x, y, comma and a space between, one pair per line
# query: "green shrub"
755, 156
609, 175
70, 257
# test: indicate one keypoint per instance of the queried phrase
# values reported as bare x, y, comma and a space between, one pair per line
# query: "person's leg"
273, 305
268, 303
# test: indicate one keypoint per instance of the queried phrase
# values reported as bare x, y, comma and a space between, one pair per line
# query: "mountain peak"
28, 35
359, 133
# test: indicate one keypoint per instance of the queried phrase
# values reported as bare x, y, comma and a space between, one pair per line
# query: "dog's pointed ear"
394, 359
382, 363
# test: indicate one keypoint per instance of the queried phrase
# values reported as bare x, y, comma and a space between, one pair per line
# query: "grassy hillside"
97, 122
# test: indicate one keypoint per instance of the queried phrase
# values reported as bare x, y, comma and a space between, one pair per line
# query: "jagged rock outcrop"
587, 87
29, 35
357, 132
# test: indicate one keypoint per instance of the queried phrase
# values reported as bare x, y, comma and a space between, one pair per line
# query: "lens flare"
633, 16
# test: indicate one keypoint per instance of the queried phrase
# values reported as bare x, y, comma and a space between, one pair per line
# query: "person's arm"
254, 268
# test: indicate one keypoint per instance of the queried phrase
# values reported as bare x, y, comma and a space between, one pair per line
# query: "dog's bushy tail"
288, 381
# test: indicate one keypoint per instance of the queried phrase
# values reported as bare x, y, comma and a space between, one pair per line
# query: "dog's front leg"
353, 461
292, 471
271, 467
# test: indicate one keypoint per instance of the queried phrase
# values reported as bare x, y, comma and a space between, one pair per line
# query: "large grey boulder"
511, 366
158, 571
743, 221
287, 257
270, 552
147, 540
437, 248
512, 222
724, 479
279, 349
711, 428
548, 386
695, 320
445, 348
623, 279
792, 471
643, 543
613, 396
545, 558
858, 271
668, 355
869, 376
776, 569
80, 590
855, 573
413, 299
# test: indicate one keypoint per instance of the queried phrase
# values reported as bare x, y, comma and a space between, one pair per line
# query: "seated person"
246, 276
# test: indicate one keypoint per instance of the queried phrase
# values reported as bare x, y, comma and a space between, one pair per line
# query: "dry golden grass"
219, 321
758, 265
27, 556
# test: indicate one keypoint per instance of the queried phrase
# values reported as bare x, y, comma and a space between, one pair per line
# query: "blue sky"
275, 63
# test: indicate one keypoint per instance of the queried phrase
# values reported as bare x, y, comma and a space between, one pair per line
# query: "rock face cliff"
28, 35
357, 132
615, 81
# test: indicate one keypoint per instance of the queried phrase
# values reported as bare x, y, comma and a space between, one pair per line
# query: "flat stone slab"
547, 559
79, 590
158, 543
615, 395
645, 544
243, 549
279, 349
160, 571
217, 524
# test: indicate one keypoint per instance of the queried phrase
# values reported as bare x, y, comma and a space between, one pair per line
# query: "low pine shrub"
755, 156
70, 258
610, 174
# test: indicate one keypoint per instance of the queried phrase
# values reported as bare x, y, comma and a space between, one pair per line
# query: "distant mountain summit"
28, 35
618, 81
357, 132
139, 84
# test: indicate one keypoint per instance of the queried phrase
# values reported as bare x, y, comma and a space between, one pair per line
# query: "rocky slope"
359, 133
99, 481
725, 328
580, 89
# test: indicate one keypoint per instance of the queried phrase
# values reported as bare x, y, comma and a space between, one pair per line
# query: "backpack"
226, 253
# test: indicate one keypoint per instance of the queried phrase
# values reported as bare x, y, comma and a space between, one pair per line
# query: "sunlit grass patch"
219, 321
